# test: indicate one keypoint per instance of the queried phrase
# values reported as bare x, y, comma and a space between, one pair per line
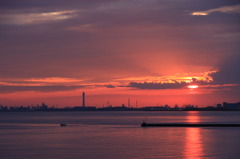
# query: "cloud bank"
36, 18
225, 9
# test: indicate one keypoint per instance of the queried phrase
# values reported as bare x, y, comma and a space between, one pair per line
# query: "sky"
147, 51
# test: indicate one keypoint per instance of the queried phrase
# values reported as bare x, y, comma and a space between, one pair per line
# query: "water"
116, 135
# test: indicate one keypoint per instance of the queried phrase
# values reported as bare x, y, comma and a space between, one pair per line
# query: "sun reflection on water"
193, 143
193, 117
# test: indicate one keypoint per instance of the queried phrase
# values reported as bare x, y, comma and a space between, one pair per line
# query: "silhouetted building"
219, 105
44, 106
231, 106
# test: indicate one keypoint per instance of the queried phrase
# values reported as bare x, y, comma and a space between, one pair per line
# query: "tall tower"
83, 99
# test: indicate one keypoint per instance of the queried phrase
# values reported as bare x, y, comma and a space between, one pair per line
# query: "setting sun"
193, 86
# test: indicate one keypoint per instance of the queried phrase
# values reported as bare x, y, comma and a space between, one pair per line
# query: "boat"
188, 125
63, 124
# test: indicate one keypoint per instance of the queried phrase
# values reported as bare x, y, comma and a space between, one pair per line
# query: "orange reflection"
193, 144
193, 117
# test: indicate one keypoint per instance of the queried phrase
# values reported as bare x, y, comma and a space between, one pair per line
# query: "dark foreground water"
116, 135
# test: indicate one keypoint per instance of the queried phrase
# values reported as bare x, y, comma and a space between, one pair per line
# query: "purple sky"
119, 48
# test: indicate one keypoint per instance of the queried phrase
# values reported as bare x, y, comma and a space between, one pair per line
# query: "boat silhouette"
63, 124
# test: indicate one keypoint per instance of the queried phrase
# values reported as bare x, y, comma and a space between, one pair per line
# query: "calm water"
116, 135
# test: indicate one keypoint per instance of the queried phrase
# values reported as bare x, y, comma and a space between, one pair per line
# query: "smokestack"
83, 99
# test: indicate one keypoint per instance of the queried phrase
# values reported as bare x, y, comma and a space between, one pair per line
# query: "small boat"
63, 124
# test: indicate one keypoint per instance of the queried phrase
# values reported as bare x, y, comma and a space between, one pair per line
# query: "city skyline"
166, 52
225, 106
123, 107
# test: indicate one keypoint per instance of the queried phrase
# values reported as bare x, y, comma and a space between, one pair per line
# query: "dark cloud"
229, 71
157, 85
105, 85
110, 86
180, 85
183, 85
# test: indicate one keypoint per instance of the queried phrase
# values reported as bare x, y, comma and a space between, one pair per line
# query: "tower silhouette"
129, 105
83, 99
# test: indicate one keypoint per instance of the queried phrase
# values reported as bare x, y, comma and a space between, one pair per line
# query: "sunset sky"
115, 50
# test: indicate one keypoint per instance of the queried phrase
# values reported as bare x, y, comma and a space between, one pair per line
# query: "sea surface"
117, 135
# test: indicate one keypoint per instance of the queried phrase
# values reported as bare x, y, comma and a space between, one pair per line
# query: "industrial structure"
83, 99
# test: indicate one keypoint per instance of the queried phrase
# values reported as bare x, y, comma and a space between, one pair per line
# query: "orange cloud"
225, 9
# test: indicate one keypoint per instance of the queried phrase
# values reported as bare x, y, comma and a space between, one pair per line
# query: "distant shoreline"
219, 107
62, 110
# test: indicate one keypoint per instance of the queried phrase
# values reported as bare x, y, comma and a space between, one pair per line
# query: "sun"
192, 86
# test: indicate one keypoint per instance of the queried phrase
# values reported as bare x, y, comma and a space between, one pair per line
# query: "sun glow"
193, 86
199, 13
